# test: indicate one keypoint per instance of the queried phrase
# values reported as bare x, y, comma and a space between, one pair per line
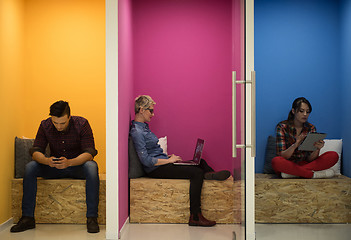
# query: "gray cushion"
270, 154
135, 167
22, 156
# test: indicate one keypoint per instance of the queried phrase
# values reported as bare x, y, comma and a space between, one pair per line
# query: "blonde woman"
158, 165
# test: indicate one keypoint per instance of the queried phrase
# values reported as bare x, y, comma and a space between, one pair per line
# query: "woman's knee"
197, 173
276, 162
331, 156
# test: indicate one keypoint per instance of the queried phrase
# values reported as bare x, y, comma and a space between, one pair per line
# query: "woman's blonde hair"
143, 101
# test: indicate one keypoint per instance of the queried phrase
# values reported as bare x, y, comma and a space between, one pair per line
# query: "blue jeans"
88, 171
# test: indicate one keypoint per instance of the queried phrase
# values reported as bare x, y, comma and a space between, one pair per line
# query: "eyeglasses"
151, 110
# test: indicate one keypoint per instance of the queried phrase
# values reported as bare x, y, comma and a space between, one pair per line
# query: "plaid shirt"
286, 136
75, 140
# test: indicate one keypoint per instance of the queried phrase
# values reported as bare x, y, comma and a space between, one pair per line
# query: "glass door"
243, 117
184, 53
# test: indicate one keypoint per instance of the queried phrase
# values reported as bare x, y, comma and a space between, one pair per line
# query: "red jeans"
305, 169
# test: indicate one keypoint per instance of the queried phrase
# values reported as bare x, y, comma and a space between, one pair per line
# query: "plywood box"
302, 200
59, 201
167, 200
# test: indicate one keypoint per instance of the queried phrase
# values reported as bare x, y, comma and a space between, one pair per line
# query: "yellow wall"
49, 50
65, 59
11, 94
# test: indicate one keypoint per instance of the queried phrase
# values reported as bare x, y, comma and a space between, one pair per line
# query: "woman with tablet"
291, 162
158, 165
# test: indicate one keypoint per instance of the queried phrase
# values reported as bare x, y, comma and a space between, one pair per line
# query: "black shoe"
24, 224
200, 221
92, 225
221, 175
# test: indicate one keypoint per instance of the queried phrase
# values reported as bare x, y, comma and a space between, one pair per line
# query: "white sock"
285, 175
328, 173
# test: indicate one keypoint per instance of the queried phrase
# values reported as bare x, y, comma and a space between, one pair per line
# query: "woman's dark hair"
297, 105
60, 109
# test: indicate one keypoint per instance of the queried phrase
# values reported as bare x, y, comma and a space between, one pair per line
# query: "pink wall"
182, 54
183, 59
125, 99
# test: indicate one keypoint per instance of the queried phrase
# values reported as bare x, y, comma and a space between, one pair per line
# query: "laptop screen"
198, 150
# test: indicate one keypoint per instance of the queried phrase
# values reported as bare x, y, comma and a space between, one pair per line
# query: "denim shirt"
146, 145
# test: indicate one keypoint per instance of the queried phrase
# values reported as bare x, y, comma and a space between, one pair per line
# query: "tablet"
307, 144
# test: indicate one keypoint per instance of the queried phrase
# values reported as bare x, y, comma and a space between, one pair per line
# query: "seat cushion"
135, 167
336, 146
22, 156
269, 155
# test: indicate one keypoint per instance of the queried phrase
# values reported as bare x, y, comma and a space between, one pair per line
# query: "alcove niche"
182, 54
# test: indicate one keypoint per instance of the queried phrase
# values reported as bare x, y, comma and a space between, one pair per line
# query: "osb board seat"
302, 200
59, 200
167, 200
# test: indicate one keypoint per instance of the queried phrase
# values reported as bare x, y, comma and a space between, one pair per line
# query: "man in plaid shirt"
72, 150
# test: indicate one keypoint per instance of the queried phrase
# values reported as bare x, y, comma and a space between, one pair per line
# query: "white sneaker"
328, 173
285, 175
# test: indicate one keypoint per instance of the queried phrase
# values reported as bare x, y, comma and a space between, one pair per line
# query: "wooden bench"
302, 200
59, 201
276, 200
167, 200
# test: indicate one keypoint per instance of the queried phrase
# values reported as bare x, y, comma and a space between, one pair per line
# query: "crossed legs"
305, 169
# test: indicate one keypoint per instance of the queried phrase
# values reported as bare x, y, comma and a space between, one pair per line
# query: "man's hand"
62, 163
51, 162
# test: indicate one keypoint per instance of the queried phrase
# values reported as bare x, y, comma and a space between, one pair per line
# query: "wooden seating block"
302, 200
167, 200
59, 201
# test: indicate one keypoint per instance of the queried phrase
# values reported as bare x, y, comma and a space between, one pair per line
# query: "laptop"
197, 154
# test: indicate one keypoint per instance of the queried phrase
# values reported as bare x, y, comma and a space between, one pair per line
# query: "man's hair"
60, 109
143, 101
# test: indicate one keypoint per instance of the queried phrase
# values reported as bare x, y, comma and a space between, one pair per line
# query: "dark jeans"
194, 173
88, 171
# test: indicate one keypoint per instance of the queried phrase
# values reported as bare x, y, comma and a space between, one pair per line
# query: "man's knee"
31, 168
90, 168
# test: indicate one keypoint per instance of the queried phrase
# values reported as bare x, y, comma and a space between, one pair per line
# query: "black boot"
204, 166
92, 225
24, 224
199, 220
221, 175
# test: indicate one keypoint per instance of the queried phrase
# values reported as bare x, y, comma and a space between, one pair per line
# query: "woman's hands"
287, 153
300, 138
315, 153
173, 158
319, 144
